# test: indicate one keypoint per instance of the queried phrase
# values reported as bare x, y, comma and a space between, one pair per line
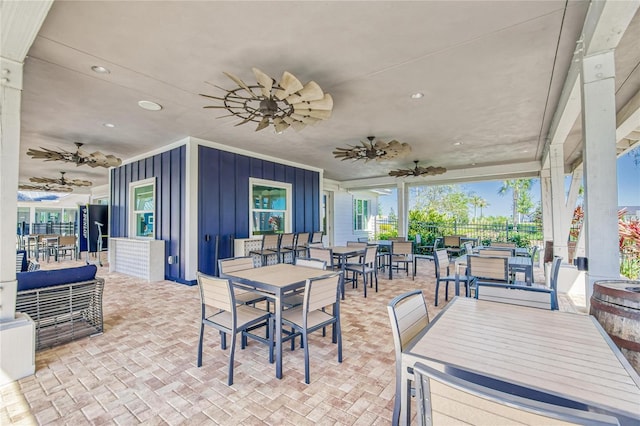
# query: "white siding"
343, 215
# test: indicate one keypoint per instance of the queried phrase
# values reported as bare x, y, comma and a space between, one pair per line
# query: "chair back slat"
234, 264
311, 263
287, 240
370, 255
441, 262
488, 267
412, 318
302, 239
452, 241
316, 237
356, 244
322, 254
402, 247
495, 253
270, 241
321, 292
505, 245
216, 292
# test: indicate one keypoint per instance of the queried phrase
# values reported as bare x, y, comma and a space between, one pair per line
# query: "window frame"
133, 213
287, 212
365, 214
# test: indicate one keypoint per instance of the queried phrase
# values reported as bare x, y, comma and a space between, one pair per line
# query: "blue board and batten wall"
223, 194
169, 170
223, 200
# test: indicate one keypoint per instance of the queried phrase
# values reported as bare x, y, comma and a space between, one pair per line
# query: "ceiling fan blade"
288, 84
43, 180
240, 83
310, 92
79, 182
265, 82
304, 119
326, 103
279, 124
246, 120
297, 125
264, 123
314, 113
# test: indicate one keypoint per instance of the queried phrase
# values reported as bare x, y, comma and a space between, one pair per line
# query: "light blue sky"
628, 191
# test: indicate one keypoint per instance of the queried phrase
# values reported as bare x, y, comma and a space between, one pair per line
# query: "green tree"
448, 200
520, 193
477, 201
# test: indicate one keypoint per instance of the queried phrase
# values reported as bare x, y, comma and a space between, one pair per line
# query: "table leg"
278, 334
390, 267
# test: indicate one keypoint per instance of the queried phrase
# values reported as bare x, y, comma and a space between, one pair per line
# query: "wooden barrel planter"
616, 306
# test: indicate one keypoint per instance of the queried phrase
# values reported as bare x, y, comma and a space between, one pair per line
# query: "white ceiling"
491, 72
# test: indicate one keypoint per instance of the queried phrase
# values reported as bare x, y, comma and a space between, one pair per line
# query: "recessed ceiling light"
457, 143
109, 125
473, 164
100, 69
417, 95
525, 150
149, 106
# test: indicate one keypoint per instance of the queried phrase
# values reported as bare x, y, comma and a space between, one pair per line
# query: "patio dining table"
274, 281
556, 354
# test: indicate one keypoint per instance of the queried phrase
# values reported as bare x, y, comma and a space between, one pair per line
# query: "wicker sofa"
65, 304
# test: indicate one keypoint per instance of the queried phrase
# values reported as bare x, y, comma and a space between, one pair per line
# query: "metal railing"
523, 235
67, 228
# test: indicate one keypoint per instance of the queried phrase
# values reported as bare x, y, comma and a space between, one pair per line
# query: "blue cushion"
38, 279
25, 263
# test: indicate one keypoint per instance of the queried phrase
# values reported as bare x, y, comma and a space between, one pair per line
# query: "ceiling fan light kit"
373, 151
286, 104
80, 157
418, 171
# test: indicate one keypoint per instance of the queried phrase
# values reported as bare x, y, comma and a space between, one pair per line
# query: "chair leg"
306, 356
231, 354
364, 279
223, 340
199, 364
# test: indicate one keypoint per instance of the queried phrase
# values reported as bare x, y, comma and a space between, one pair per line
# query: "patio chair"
408, 316
234, 264
67, 247
287, 245
505, 245
441, 260
220, 311
506, 252
457, 395
453, 244
468, 247
321, 253
535, 295
402, 254
316, 237
363, 239
296, 297
269, 247
302, 243
319, 294
488, 269
366, 267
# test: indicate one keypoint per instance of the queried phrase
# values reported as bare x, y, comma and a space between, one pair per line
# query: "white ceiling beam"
506, 171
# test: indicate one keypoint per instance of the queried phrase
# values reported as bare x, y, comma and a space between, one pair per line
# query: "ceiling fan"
286, 104
46, 187
80, 157
62, 181
418, 171
373, 151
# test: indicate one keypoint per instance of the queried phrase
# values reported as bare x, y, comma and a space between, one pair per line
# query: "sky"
628, 191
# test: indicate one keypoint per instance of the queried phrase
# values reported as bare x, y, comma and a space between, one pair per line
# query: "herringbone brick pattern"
142, 369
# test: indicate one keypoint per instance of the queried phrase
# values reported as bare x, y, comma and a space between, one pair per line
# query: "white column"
10, 92
191, 214
403, 214
20, 22
547, 214
599, 156
558, 204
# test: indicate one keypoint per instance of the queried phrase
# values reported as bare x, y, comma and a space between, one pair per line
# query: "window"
270, 210
360, 214
142, 208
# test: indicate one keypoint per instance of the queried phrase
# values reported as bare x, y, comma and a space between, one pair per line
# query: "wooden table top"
279, 275
557, 352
